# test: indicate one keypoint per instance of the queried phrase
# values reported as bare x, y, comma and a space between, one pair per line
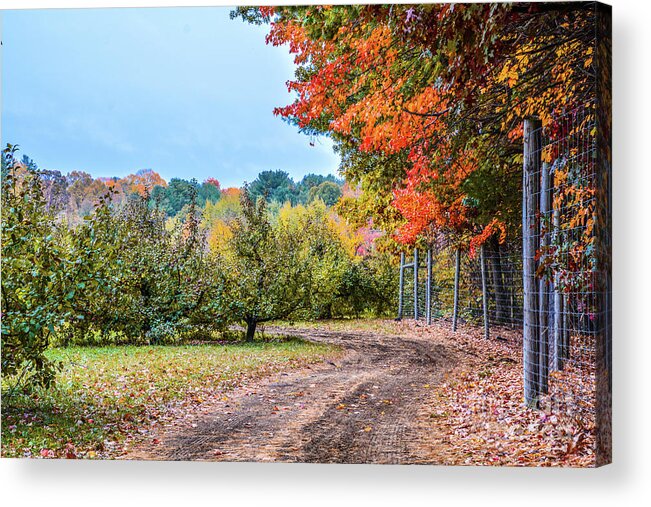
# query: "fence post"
512, 296
565, 327
416, 284
484, 292
401, 284
457, 266
530, 184
543, 292
428, 294
559, 354
552, 324
512, 301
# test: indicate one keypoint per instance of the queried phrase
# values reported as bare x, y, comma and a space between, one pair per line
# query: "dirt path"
363, 409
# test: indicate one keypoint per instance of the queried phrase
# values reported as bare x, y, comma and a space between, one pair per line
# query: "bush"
45, 269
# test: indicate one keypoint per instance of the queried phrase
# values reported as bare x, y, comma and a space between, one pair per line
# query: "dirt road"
360, 409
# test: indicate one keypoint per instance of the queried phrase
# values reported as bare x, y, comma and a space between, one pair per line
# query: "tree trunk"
326, 313
250, 329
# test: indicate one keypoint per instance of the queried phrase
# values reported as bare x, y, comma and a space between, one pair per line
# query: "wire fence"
552, 284
494, 276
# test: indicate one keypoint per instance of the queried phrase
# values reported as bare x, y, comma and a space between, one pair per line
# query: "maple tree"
214, 182
425, 102
142, 182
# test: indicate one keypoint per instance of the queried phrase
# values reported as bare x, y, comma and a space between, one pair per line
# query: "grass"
371, 325
106, 396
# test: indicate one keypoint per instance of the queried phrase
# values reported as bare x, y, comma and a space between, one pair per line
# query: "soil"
365, 407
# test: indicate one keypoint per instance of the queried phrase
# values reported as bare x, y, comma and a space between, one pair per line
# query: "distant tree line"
75, 194
278, 186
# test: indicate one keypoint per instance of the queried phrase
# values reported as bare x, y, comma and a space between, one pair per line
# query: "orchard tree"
267, 268
161, 281
43, 275
329, 248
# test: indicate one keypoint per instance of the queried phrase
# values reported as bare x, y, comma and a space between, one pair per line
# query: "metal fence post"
402, 285
558, 354
428, 294
484, 292
530, 184
512, 304
457, 266
415, 283
543, 292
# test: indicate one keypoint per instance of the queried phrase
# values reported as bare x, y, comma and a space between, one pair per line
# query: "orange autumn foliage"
447, 85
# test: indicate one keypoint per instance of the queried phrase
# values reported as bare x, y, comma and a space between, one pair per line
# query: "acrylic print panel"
343, 234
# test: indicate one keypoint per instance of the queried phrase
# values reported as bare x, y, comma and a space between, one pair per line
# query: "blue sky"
184, 91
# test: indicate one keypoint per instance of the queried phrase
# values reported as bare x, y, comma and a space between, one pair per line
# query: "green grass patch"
104, 396
371, 325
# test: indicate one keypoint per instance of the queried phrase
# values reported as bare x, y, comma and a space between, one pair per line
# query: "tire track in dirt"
361, 410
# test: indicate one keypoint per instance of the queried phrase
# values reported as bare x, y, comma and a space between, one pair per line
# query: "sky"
186, 92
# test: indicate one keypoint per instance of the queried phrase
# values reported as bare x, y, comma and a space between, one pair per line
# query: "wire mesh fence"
552, 284
566, 320
495, 273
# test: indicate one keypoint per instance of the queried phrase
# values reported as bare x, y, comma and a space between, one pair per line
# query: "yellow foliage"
219, 235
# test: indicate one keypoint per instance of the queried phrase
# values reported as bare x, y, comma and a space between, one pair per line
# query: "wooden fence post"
416, 284
484, 292
428, 294
457, 267
530, 184
401, 284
